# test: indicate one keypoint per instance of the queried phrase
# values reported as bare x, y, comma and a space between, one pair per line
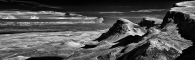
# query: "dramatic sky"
110, 10
99, 5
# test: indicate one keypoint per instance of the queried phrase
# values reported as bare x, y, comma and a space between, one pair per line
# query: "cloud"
138, 16
144, 10
37, 4
111, 12
30, 4
149, 10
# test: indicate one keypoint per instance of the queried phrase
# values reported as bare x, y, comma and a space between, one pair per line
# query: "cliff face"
183, 15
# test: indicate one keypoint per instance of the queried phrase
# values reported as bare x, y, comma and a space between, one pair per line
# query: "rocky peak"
121, 29
149, 22
122, 26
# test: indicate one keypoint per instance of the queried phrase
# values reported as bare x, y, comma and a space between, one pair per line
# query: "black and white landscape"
97, 30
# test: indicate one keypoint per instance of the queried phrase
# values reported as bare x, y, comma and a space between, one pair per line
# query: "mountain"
121, 29
163, 40
167, 39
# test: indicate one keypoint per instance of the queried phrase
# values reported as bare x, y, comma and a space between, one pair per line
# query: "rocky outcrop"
155, 46
121, 29
183, 15
150, 22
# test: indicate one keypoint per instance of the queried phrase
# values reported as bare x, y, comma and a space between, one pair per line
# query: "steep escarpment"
183, 15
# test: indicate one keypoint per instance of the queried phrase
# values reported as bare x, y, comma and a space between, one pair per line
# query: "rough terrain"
169, 39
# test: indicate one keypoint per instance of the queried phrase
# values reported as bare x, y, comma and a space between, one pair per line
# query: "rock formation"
183, 15
150, 22
162, 41
121, 29
170, 40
